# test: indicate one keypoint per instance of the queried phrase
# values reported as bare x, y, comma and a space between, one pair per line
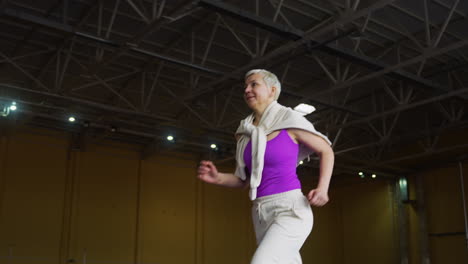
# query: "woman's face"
257, 93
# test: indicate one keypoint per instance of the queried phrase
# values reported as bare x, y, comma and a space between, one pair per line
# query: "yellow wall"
355, 227
413, 225
106, 205
444, 212
31, 196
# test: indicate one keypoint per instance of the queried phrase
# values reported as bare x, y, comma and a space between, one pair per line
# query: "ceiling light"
71, 119
170, 138
301, 162
373, 175
13, 106
304, 109
403, 183
213, 146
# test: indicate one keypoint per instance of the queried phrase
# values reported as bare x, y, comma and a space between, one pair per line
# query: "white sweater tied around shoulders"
275, 117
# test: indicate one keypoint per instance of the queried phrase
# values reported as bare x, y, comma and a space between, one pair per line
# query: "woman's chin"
252, 105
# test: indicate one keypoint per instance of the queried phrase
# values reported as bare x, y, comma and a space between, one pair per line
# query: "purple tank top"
279, 170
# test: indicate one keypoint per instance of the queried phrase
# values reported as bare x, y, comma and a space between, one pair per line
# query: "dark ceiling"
388, 78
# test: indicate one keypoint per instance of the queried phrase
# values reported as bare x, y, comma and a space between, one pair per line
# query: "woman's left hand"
318, 197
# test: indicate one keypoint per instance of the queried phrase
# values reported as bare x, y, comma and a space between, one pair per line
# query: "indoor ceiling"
388, 78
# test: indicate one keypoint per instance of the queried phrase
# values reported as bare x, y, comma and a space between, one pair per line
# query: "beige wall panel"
414, 254
325, 244
104, 215
448, 249
124, 210
34, 174
3, 160
445, 214
168, 216
367, 222
444, 200
228, 235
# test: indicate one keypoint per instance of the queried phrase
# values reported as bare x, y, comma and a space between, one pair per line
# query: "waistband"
279, 196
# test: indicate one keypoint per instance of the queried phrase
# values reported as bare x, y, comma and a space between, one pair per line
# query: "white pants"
282, 223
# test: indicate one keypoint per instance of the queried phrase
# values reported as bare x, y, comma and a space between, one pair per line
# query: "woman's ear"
273, 90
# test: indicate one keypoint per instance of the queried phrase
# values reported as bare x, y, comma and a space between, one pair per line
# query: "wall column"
402, 220
422, 216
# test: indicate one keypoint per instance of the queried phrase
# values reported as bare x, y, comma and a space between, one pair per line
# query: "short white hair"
269, 78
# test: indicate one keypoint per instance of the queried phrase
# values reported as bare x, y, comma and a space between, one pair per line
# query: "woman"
270, 143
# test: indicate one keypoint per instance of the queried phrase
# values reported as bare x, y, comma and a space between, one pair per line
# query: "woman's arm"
208, 172
319, 195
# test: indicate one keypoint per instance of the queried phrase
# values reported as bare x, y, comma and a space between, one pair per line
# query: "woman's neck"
258, 113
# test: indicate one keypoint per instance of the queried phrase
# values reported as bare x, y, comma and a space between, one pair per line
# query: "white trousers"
282, 223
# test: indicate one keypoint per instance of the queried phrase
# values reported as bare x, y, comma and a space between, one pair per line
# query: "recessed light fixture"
304, 109
71, 119
13, 106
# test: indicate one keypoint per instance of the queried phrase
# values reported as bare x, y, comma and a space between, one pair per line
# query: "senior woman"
270, 143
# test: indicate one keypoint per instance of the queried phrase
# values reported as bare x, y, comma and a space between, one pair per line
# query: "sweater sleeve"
295, 120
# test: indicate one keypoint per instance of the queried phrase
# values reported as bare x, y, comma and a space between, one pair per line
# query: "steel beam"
208, 47
180, 101
69, 29
446, 22
301, 36
122, 130
88, 103
238, 37
28, 35
105, 84
427, 24
275, 17
19, 57
401, 108
136, 39
128, 46
397, 67
65, 66
17, 66
105, 107
250, 18
105, 80
139, 11
153, 86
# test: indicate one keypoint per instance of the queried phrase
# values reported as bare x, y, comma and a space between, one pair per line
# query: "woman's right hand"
207, 172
